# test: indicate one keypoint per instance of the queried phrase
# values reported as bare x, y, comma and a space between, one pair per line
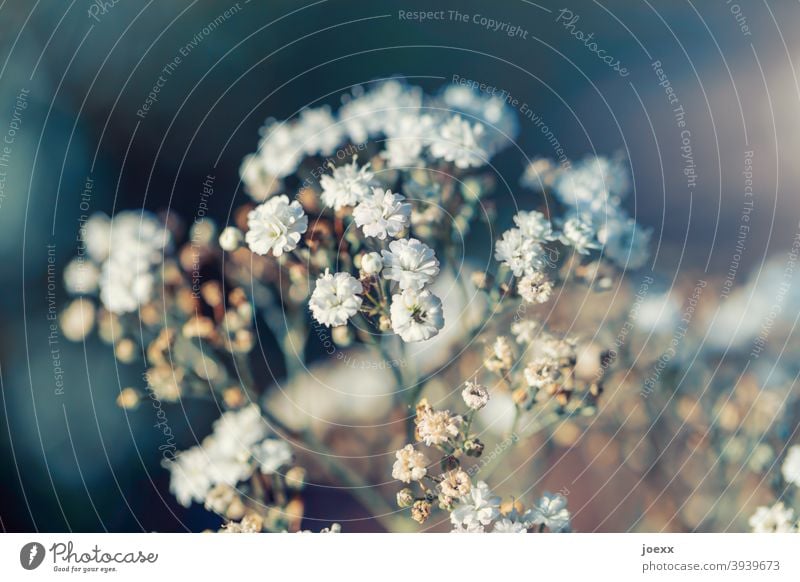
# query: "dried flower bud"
128, 398
405, 498
125, 351
211, 292
446, 503
342, 336
234, 397
456, 483
473, 447
77, 320
198, 326
421, 511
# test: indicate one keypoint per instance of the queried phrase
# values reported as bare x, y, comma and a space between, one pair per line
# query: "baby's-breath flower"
578, 234
411, 263
271, 455
475, 395
775, 519
347, 186
791, 466
371, 263
480, 508
507, 525
535, 288
472, 527
551, 511
411, 465
436, 427
382, 214
456, 484
236, 431
541, 373
335, 299
421, 511
416, 316
459, 142
230, 238
518, 252
405, 498
81, 277
534, 225
625, 242
524, 330
258, 183
500, 355
190, 476
276, 226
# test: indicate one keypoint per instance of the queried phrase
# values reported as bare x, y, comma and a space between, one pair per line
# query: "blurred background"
75, 76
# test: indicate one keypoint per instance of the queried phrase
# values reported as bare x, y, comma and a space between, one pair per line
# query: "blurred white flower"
318, 131
458, 142
272, 454
775, 519
534, 225
124, 287
190, 477
534, 288
411, 465
346, 186
258, 183
276, 225
335, 299
411, 263
578, 234
279, 151
480, 507
551, 511
506, 525
416, 316
791, 465
625, 242
81, 277
236, 431
230, 238
382, 213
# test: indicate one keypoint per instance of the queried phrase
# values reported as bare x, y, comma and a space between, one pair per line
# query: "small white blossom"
236, 431
472, 527
411, 465
455, 484
480, 507
579, 235
775, 519
475, 395
124, 287
347, 186
190, 476
335, 299
436, 427
277, 226
416, 316
411, 263
272, 454
230, 238
258, 183
458, 142
382, 214
318, 132
81, 277
534, 225
625, 242
791, 466
534, 288
519, 253
551, 511
506, 525
371, 263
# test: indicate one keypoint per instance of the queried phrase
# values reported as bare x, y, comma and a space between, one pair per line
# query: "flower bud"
473, 447
230, 239
421, 511
405, 498
371, 263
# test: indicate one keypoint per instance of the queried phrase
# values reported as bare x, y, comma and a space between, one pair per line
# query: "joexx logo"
31, 555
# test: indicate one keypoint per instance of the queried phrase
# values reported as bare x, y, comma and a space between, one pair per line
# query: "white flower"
96, 236
416, 316
124, 287
551, 511
475, 395
371, 263
347, 186
775, 519
458, 142
480, 507
81, 277
272, 454
534, 225
534, 288
578, 234
625, 242
382, 213
411, 465
472, 527
436, 427
508, 526
519, 253
230, 238
276, 226
258, 183
335, 299
411, 263
279, 151
593, 185
318, 131
455, 484
236, 431
190, 476
791, 466
524, 330
408, 135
